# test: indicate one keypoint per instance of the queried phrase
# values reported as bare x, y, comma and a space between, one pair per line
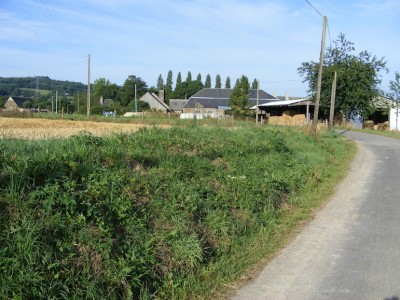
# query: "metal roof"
284, 103
214, 97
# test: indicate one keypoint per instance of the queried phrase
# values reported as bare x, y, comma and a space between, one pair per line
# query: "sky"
262, 39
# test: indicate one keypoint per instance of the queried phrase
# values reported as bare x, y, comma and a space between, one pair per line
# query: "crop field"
37, 128
156, 213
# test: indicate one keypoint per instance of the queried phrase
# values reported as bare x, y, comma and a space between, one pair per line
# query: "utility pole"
37, 87
321, 62
135, 100
258, 97
52, 104
56, 102
333, 96
88, 89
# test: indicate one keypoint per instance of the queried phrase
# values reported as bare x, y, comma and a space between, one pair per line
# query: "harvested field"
43, 128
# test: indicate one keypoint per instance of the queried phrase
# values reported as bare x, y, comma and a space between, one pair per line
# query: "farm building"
386, 115
213, 102
16, 103
288, 112
177, 105
155, 102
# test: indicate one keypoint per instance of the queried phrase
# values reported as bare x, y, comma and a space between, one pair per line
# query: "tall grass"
161, 213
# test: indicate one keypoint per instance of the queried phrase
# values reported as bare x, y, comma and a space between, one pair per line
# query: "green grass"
159, 214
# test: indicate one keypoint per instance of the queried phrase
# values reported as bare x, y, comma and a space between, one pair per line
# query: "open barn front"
288, 112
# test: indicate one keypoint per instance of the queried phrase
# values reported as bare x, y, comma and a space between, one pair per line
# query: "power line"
329, 33
314, 8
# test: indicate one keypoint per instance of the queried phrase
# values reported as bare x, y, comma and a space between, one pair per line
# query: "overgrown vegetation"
166, 214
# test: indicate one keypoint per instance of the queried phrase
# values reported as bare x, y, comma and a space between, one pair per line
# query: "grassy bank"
161, 213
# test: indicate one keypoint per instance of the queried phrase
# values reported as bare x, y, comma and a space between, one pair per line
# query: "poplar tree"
207, 83
228, 83
254, 84
168, 87
218, 83
199, 77
178, 79
160, 82
189, 77
168, 84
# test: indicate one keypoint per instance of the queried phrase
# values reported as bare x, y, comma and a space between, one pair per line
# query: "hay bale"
368, 124
299, 120
382, 126
289, 113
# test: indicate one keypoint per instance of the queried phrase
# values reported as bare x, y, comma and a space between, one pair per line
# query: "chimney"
286, 96
161, 95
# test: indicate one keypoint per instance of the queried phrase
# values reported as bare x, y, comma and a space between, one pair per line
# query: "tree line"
72, 96
358, 86
25, 86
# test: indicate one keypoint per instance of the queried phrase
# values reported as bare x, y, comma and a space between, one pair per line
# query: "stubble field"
24, 128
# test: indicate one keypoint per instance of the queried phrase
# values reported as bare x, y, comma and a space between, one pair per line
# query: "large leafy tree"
207, 83
218, 83
240, 95
358, 78
127, 94
228, 83
104, 88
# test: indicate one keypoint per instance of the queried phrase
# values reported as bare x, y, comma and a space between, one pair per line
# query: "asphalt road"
351, 250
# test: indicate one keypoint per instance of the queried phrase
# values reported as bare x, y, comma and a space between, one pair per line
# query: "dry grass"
43, 128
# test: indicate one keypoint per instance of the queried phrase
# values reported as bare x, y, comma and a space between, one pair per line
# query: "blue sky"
267, 40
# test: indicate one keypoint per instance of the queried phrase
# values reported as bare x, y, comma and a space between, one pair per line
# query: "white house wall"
394, 119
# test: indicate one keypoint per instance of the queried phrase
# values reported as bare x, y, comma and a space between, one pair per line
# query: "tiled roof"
177, 104
212, 98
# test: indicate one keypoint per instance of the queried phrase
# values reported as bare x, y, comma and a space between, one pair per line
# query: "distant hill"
26, 86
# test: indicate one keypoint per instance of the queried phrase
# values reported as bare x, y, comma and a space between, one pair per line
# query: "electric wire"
314, 8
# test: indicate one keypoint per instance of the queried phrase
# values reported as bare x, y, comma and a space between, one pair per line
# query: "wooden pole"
258, 97
135, 99
321, 62
88, 89
333, 96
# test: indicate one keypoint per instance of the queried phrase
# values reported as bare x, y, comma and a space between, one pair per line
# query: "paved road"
351, 250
